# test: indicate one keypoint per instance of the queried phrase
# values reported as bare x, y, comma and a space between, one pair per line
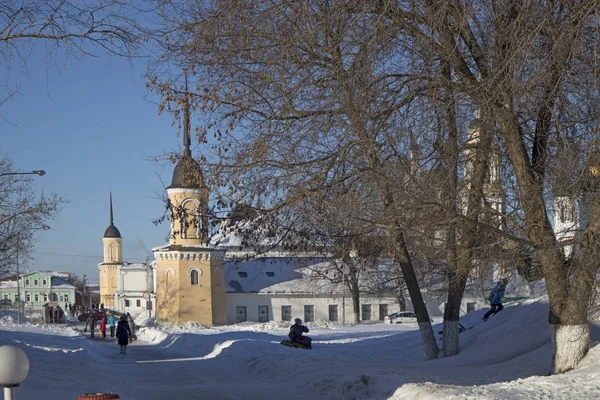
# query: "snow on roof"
294, 275
134, 266
251, 276
169, 246
60, 284
8, 284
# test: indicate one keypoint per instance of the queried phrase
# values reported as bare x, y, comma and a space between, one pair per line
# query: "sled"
289, 343
461, 329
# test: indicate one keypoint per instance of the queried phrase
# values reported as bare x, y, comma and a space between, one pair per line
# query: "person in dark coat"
496, 296
91, 323
296, 332
131, 328
123, 334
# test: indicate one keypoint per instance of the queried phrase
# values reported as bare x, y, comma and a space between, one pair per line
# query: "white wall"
134, 280
321, 306
251, 301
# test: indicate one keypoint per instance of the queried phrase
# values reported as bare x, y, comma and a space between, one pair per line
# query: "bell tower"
190, 280
113, 259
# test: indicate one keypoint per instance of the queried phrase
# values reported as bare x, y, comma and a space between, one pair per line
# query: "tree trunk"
569, 301
399, 288
354, 289
402, 257
459, 255
356, 307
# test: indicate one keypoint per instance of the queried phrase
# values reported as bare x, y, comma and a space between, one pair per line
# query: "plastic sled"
289, 343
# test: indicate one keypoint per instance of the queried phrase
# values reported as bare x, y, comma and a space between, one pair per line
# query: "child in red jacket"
103, 327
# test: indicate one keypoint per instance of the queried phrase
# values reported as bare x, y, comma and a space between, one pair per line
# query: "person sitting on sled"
496, 296
296, 332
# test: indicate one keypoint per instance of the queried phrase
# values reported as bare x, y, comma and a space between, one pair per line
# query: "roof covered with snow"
293, 275
60, 284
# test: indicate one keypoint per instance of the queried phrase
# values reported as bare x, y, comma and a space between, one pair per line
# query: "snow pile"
7, 320
151, 335
142, 320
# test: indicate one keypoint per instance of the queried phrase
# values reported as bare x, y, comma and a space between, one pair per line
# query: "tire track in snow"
218, 349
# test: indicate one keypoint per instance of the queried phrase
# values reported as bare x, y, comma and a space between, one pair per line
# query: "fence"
32, 314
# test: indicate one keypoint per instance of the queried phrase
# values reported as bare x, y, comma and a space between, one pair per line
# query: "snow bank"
507, 357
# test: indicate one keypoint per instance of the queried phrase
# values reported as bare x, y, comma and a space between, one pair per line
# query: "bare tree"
524, 63
23, 214
67, 29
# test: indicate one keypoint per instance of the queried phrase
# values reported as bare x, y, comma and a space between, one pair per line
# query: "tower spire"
186, 122
111, 211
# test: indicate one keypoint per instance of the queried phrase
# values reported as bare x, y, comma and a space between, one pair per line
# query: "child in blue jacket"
496, 296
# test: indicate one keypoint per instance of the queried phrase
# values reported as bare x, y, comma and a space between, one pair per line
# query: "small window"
44, 282
45, 297
37, 297
194, 277
27, 282
28, 297
309, 313
366, 312
286, 313
35, 282
66, 297
138, 303
333, 312
471, 307
383, 310
126, 303
243, 274
270, 274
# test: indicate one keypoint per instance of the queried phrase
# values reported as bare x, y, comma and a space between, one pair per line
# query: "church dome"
187, 174
112, 232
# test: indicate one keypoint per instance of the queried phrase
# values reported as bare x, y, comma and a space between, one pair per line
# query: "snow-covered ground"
507, 357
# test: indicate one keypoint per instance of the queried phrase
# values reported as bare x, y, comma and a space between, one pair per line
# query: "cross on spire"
111, 211
186, 122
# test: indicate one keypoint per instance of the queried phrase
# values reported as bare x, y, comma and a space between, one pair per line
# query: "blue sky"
91, 126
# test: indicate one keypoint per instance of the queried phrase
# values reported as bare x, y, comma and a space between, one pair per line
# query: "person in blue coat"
112, 322
496, 296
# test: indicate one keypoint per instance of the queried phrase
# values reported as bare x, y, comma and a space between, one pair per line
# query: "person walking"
91, 323
103, 327
112, 322
131, 328
496, 296
123, 334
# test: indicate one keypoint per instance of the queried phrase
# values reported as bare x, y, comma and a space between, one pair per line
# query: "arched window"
189, 219
169, 277
195, 273
113, 252
194, 277
183, 223
198, 224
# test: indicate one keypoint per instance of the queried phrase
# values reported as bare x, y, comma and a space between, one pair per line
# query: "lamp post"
39, 172
14, 367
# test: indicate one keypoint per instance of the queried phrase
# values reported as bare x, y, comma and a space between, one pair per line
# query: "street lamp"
43, 227
14, 367
39, 172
